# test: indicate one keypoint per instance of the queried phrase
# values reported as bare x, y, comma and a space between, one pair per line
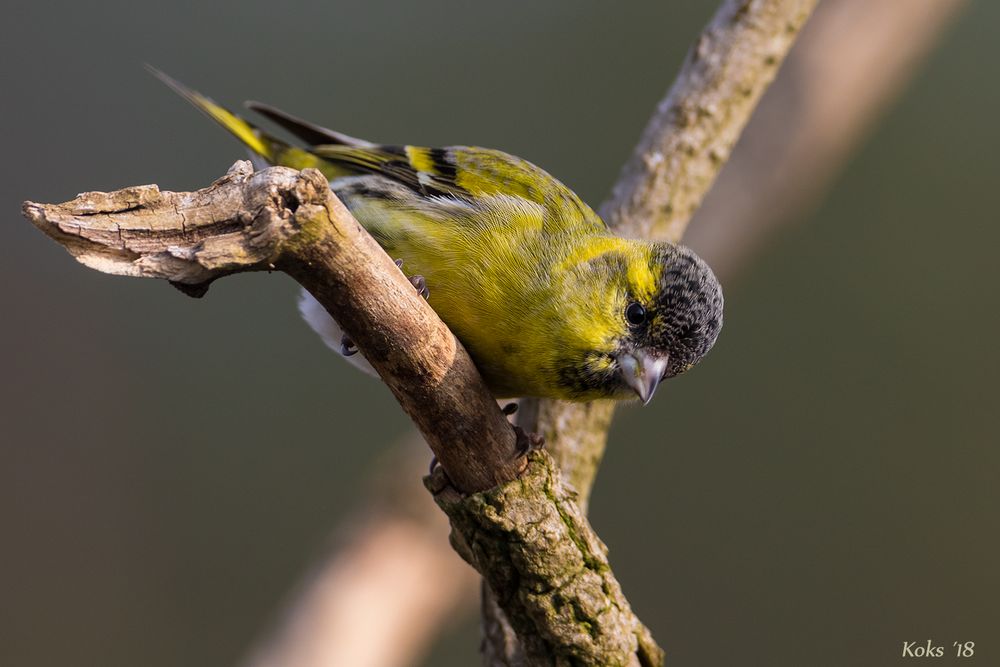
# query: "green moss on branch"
548, 570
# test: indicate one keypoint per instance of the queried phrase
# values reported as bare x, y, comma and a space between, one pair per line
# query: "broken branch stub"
238, 223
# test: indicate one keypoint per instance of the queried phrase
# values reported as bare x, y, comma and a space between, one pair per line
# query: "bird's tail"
272, 149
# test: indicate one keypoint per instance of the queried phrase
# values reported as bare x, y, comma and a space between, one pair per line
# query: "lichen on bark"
547, 569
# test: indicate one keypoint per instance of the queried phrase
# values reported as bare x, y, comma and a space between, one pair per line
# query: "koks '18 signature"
930, 650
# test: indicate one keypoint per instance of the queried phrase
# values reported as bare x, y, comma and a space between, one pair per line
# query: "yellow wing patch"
420, 158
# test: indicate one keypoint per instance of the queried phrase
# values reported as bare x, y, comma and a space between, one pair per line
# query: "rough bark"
548, 572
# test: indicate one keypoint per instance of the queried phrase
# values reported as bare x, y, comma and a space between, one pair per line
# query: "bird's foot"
347, 346
420, 285
528, 442
418, 282
437, 479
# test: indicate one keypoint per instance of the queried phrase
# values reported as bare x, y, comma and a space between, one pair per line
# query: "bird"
547, 301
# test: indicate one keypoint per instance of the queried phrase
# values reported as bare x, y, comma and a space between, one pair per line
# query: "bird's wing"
469, 174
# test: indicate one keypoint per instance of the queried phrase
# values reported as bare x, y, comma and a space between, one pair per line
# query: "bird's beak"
642, 371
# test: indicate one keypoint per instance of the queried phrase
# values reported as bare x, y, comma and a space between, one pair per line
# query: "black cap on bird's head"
671, 331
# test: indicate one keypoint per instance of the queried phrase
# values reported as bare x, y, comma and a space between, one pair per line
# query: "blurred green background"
822, 488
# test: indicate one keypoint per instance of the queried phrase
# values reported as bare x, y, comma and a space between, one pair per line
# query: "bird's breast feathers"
505, 280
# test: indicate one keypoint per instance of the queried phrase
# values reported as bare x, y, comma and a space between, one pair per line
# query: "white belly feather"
328, 329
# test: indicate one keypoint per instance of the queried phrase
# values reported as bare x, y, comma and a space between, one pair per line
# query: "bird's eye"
635, 314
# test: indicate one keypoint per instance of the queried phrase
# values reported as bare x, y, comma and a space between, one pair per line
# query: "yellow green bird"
547, 301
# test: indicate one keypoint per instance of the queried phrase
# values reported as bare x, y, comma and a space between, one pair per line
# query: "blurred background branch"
852, 59
389, 586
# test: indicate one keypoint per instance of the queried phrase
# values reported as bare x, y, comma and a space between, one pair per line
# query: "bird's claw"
528, 442
418, 282
420, 285
347, 346
437, 480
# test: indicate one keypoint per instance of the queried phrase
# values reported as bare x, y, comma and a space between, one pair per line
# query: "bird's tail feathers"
268, 147
311, 133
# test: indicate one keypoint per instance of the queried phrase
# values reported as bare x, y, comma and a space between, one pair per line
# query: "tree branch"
853, 58
548, 572
291, 221
283, 219
694, 128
